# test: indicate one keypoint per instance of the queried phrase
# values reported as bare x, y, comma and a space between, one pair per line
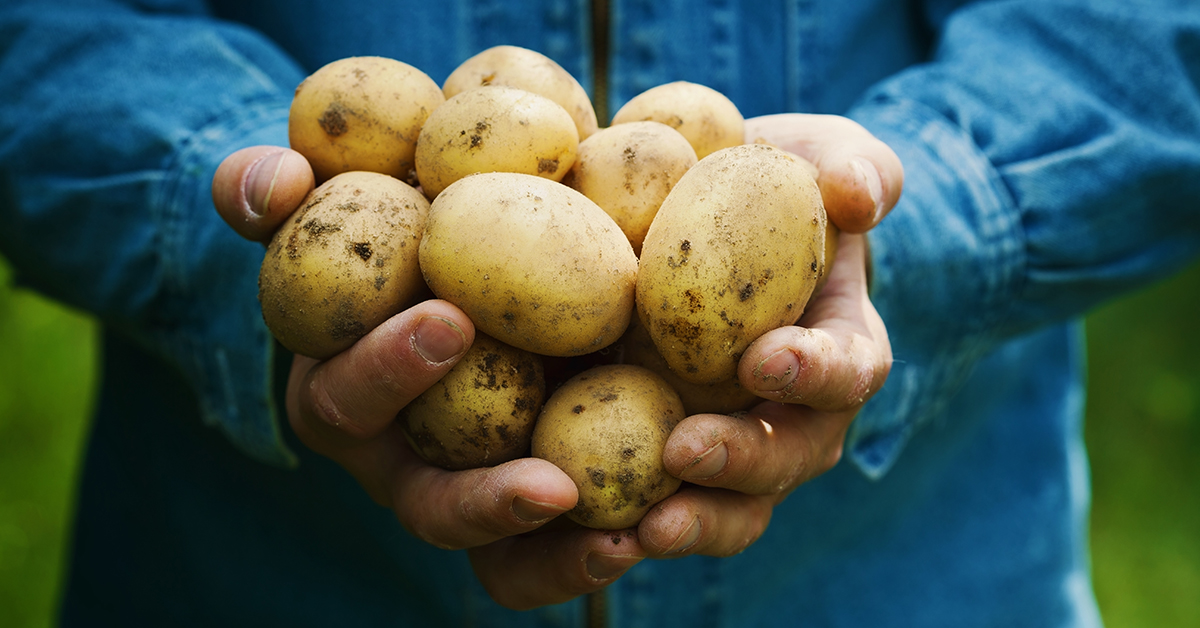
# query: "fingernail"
869, 176
608, 566
534, 512
707, 464
260, 181
438, 339
777, 371
687, 538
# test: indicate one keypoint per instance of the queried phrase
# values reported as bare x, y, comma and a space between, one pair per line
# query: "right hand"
344, 408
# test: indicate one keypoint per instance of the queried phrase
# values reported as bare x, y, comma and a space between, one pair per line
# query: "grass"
1143, 433
47, 382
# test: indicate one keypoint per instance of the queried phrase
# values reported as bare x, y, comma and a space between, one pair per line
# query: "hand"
859, 176
818, 374
344, 408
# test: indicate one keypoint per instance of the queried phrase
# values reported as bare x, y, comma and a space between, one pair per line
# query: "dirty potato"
481, 413
534, 263
606, 428
362, 113
723, 397
628, 170
495, 129
343, 263
734, 252
531, 71
706, 117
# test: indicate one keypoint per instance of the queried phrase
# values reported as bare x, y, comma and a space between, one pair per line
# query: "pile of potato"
499, 193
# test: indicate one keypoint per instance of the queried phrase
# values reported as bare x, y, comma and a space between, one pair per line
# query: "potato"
482, 412
531, 71
734, 252
343, 263
534, 263
495, 129
708, 119
724, 397
831, 248
606, 428
362, 113
628, 170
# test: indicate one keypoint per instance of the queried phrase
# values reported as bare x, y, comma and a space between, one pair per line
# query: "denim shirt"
1052, 161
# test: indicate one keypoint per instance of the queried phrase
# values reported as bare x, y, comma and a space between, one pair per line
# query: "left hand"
818, 373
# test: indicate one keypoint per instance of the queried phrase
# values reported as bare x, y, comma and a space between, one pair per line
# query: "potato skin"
706, 117
734, 252
724, 397
534, 263
346, 261
482, 412
606, 428
628, 170
526, 69
495, 129
362, 113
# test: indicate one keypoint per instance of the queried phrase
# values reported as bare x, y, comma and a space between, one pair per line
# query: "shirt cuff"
946, 262
218, 338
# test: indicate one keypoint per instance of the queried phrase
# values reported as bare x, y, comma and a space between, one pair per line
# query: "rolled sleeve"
118, 122
1047, 170
945, 264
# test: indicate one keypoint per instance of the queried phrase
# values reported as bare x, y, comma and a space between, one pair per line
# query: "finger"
257, 188
554, 566
838, 356
860, 177
707, 521
767, 451
344, 408
356, 394
463, 509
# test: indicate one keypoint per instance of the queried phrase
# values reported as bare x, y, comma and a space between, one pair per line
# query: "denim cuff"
217, 336
947, 262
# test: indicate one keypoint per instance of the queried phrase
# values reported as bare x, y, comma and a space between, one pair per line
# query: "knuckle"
328, 411
832, 457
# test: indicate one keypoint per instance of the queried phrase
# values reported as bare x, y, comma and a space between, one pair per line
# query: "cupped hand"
344, 408
736, 469
816, 374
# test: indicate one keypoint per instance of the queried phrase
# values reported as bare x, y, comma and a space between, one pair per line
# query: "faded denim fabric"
1052, 159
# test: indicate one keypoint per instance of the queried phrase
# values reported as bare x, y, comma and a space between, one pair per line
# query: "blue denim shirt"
1052, 160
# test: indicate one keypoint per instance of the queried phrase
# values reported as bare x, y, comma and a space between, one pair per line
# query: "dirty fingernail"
687, 538
260, 182
438, 339
707, 464
534, 512
868, 175
607, 566
777, 371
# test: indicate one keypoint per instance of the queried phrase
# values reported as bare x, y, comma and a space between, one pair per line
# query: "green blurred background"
1143, 432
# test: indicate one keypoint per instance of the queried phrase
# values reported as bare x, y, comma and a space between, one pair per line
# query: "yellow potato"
734, 252
724, 397
708, 119
482, 412
362, 113
343, 263
606, 428
531, 71
495, 129
534, 263
628, 170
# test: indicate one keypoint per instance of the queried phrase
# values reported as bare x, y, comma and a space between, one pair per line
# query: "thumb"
255, 189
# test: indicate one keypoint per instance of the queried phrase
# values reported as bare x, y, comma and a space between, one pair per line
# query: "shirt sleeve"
112, 125
1052, 161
